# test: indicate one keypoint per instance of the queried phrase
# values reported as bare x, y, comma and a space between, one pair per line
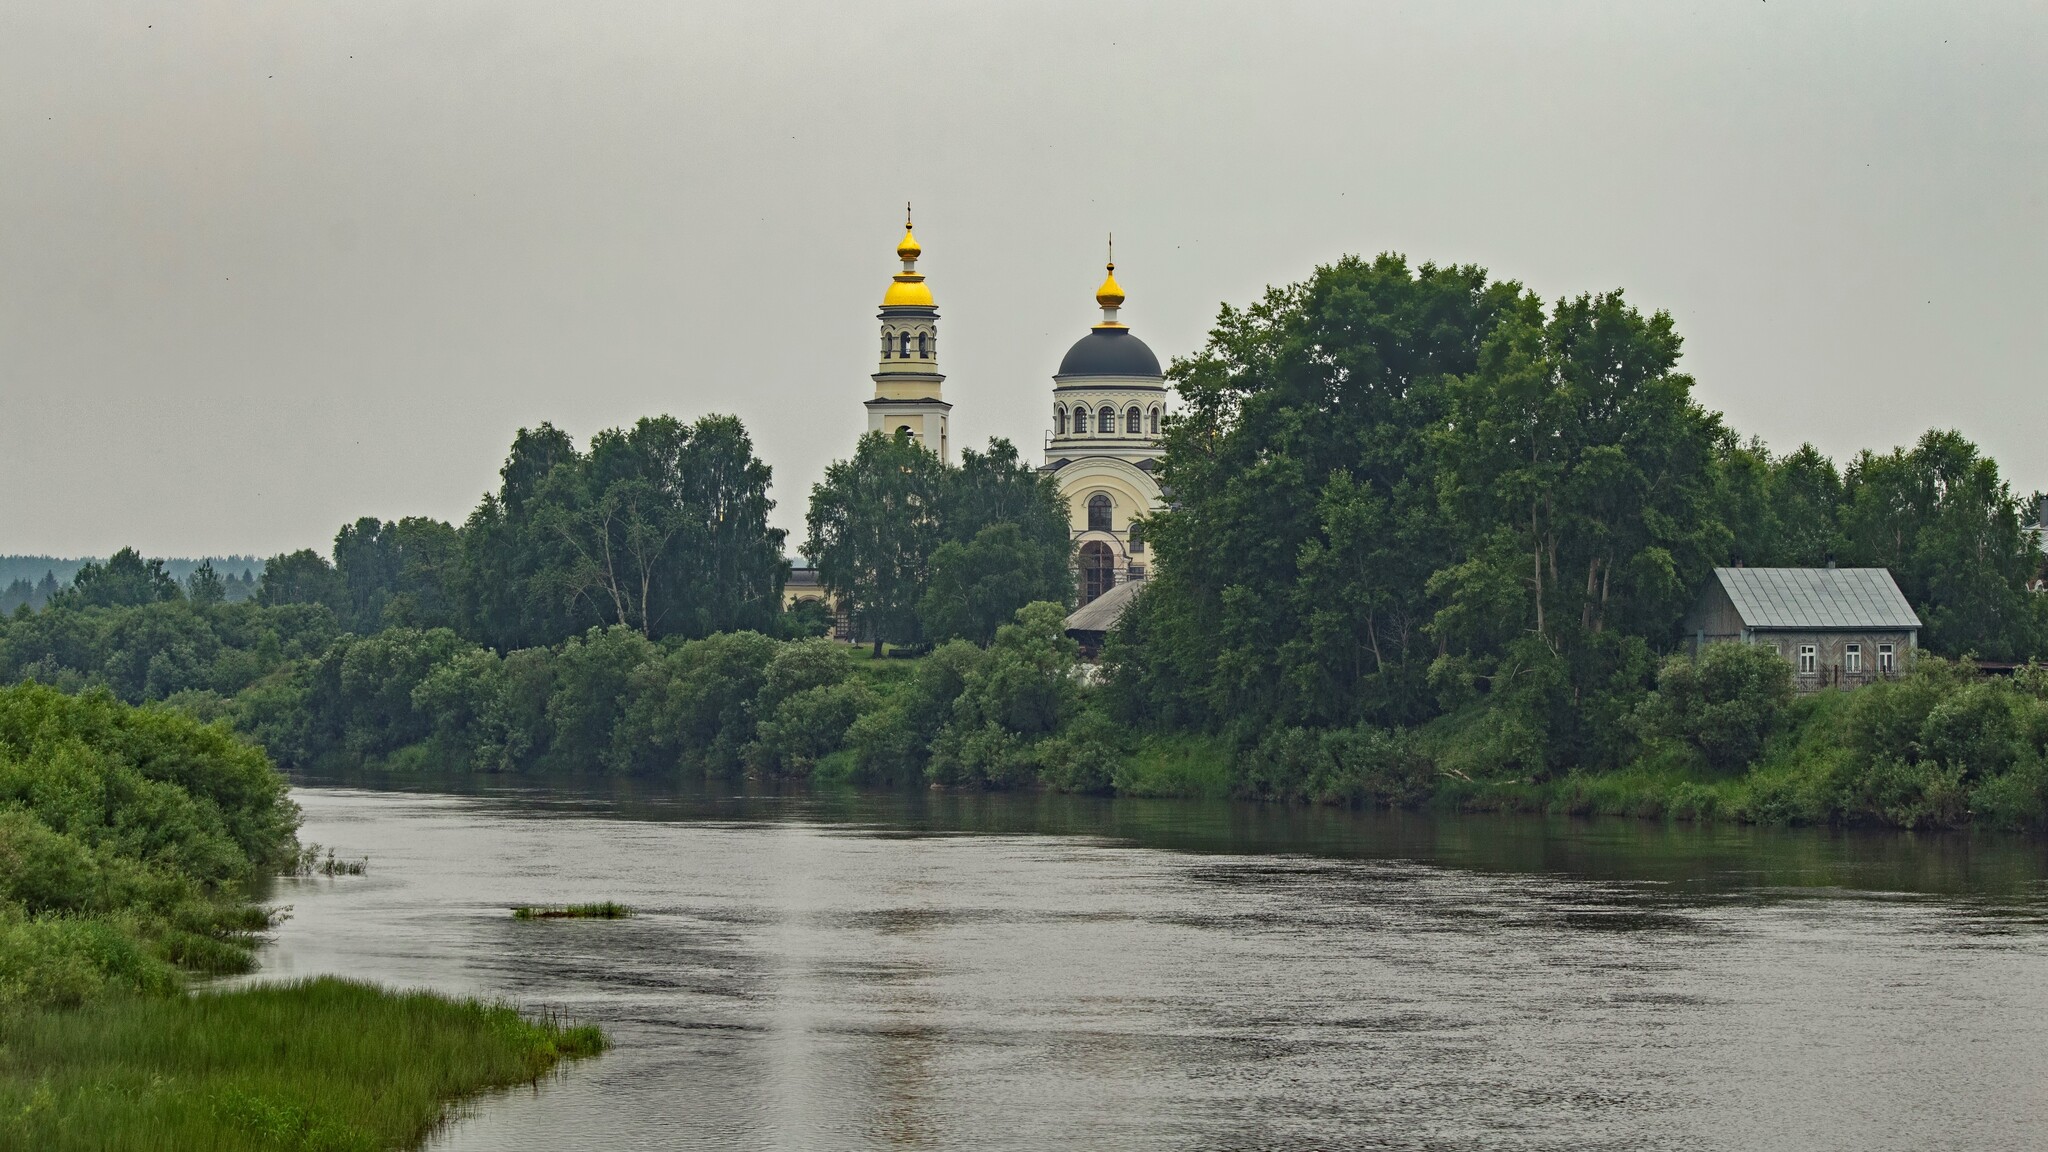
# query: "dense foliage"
1429, 540
1409, 493
128, 842
661, 528
919, 550
131, 843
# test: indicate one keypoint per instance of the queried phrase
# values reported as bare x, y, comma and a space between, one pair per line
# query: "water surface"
906, 971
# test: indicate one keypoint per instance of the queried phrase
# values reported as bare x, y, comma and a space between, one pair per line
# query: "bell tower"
907, 384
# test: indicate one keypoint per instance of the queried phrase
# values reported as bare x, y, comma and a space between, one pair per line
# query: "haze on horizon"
267, 268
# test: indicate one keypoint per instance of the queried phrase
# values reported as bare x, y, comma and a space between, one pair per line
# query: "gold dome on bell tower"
1111, 295
907, 288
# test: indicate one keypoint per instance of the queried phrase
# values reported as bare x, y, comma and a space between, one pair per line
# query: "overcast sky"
265, 267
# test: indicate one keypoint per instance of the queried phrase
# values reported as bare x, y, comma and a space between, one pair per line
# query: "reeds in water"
605, 910
308, 862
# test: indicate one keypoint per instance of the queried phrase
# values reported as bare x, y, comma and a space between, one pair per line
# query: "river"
827, 971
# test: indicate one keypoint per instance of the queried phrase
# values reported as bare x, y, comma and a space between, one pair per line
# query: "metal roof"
1817, 598
1102, 613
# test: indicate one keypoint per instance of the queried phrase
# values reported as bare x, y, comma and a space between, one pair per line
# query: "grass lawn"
319, 1066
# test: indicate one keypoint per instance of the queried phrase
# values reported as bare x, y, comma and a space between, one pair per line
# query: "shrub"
1725, 703
805, 727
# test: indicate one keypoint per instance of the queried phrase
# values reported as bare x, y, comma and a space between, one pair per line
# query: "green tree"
1724, 703
977, 587
399, 573
124, 581
661, 528
204, 585
1292, 568
874, 523
1008, 544
1582, 475
302, 577
1939, 516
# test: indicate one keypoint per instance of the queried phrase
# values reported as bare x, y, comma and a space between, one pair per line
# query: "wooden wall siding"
1715, 616
1830, 652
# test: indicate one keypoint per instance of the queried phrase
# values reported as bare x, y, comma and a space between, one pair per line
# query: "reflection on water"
860, 971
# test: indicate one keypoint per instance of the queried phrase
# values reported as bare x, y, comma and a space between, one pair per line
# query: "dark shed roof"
1824, 599
1101, 614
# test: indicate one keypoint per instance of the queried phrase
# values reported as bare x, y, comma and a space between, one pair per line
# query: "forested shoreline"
1429, 542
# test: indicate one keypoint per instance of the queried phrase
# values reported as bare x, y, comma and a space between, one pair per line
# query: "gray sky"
268, 267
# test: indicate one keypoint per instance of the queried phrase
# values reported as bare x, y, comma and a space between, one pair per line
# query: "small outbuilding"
1095, 620
1837, 627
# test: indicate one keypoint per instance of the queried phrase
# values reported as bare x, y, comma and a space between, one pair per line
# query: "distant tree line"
21, 590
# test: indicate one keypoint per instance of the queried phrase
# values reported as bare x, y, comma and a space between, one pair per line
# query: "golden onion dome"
908, 250
1111, 294
907, 292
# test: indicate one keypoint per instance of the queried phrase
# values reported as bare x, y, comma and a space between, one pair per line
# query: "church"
1108, 401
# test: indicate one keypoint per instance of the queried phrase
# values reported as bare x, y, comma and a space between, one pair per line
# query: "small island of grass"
604, 910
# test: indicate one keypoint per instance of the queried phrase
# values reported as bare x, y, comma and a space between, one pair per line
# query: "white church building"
1108, 402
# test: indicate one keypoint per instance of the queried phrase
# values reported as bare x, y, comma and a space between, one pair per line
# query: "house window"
1885, 660
1098, 513
1106, 421
1809, 660
1852, 659
1081, 421
1136, 536
1131, 419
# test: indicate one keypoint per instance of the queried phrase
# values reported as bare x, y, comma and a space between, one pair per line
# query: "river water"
1030, 972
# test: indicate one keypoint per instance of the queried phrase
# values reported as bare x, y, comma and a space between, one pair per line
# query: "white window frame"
1887, 658
1809, 659
1852, 659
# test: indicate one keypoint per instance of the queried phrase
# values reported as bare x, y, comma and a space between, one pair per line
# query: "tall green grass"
603, 910
319, 1066
1177, 764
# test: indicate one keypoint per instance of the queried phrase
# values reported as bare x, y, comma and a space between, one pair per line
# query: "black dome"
1109, 352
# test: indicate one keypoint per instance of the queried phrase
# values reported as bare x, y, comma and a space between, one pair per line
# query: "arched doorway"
1098, 570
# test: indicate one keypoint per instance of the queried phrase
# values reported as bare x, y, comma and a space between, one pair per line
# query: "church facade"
1108, 402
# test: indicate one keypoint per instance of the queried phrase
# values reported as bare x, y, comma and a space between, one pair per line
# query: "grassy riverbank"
132, 843
321, 1066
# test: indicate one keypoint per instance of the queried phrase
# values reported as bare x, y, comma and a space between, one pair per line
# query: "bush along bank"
132, 841
1720, 737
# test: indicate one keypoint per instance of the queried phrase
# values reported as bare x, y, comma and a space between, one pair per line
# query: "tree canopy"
920, 550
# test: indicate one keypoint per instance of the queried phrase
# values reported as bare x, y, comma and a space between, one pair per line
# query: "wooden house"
1837, 627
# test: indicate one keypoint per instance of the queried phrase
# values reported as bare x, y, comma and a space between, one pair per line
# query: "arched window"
1081, 421
1060, 411
1106, 420
1098, 513
1136, 536
1098, 570
1153, 420
1131, 419
906, 346
921, 353
888, 344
